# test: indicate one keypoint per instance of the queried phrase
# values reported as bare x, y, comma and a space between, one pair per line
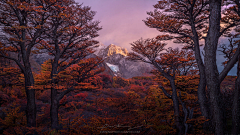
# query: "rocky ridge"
117, 57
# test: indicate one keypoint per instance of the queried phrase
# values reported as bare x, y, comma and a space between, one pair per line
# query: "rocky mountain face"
115, 61
115, 57
110, 50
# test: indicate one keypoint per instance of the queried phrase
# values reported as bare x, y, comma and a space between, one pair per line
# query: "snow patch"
114, 68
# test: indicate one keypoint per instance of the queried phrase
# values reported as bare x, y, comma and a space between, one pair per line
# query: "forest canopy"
73, 92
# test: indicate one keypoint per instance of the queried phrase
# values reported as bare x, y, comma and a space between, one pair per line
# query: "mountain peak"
106, 51
113, 49
114, 58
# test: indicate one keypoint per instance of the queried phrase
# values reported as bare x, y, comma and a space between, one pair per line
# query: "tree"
214, 79
233, 13
74, 79
184, 14
189, 21
22, 24
69, 39
168, 64
228, 52
236, 104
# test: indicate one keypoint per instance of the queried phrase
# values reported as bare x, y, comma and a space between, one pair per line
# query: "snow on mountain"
114, 68
115, 57
99, 49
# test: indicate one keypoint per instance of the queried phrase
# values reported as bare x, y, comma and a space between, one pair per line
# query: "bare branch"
230, 64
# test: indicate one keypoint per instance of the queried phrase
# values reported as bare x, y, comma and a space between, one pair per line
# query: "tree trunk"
54, 109
31, 105
54, 100
178, 121
212, 75
236, 104
202, 97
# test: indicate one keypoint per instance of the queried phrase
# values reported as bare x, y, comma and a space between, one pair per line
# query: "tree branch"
165, 92
61, 95
230, 64
17, 62
229, 26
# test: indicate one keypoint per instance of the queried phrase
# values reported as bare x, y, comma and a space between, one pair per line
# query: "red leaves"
180, 60
136, 88
171, 62
81, 95
177, 17
147, 50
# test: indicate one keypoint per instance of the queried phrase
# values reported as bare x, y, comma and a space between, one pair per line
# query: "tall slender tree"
190, 21
169, 65
22, 24
69, 39
186, 19
228, 52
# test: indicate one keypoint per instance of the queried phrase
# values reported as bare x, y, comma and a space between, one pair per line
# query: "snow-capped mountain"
115, 58
115, 62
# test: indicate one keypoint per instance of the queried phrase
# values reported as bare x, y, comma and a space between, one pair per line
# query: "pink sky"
122, 23
121, 20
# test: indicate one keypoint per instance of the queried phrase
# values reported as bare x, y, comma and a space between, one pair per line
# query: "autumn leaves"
63, 29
